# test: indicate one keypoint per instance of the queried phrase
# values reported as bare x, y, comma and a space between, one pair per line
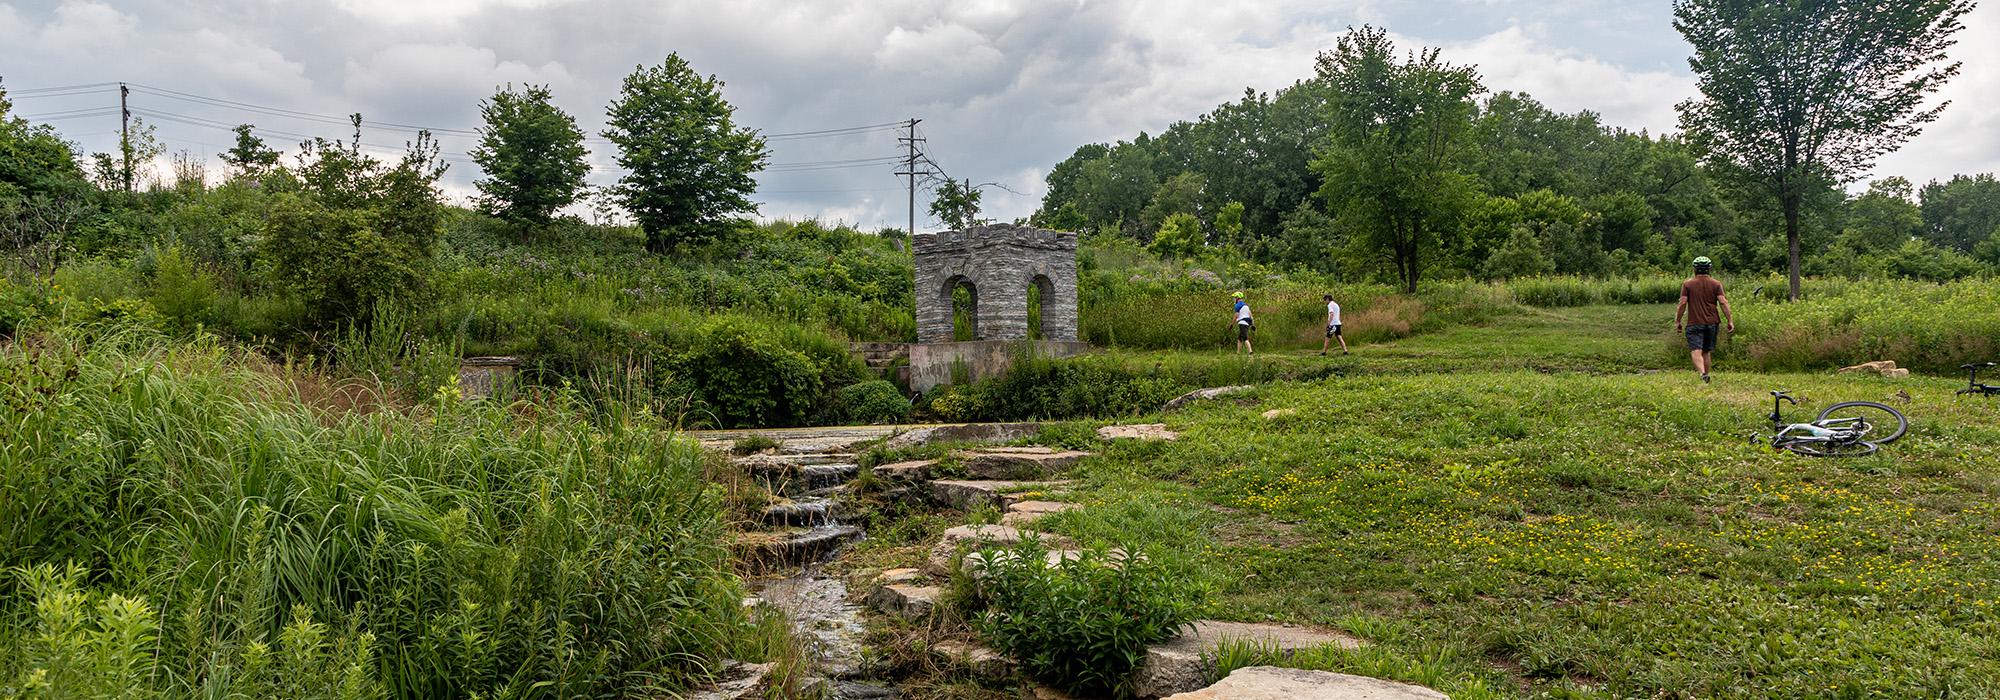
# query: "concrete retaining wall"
938, 364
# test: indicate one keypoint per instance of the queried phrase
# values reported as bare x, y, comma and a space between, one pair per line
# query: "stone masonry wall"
1000, 261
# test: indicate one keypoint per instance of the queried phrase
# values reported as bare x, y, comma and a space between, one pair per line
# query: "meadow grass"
1933, 328
1516, 533
181, 522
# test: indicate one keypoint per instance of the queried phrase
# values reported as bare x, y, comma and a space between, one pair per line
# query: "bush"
874, 401
738, 375
1083, 623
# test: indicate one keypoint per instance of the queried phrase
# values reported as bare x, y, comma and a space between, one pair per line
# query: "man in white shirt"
1244, 324
1332, 327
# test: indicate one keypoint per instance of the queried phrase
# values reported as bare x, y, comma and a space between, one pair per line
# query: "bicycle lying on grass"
1845, 429
1972, 385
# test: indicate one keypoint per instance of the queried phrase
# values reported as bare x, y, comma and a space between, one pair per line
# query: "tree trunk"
1791, 203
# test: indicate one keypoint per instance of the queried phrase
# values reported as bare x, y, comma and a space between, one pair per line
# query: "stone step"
801, 479
969, 432
776, 460
1273, 683
969, 493
1025, 513
907, 601
1184, 663
772, 551
738, 681
973, 658
802, 512
973, 537
1148, 431
905, 472
1017, 462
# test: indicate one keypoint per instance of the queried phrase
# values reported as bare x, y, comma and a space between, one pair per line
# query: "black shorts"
1242, 331
1333, 330
1701, 337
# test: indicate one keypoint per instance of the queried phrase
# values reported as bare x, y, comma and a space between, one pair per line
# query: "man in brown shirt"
1701, 297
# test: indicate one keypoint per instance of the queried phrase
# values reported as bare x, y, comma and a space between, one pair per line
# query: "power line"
95, 91
58, 88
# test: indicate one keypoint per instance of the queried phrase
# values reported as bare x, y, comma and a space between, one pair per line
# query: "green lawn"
1523, 508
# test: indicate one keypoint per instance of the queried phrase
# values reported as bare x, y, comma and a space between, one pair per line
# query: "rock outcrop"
1272, 683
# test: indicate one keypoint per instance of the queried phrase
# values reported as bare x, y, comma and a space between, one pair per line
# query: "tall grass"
180, 502
1141, 315
1582, 291
1932, 328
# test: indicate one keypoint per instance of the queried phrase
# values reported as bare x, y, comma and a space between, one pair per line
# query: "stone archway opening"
1041, 290
962, 297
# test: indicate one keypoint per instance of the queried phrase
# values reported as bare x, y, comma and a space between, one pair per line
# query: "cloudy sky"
1005, 88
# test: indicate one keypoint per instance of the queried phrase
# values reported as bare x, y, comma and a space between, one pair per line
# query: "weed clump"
1083, 622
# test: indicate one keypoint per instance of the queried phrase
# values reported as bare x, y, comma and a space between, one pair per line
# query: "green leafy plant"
1081, 623
874, 401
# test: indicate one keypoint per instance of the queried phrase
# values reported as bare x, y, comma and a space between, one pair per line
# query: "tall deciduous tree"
1397, 129
250, 155
956, 204
532, 154
1799, 92
689, 165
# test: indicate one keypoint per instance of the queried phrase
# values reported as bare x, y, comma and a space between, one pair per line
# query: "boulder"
1026, 512
1183, 664
1203, 394
969, 432
967, 494
1272, 683
905, 601
738, 681
1896, 373
1276, 413
1149, 431
898, 576
905, 472
1876, 367
1017, 462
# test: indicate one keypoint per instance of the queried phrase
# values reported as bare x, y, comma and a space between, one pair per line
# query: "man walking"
1701, 297
1332, 327
1244, 324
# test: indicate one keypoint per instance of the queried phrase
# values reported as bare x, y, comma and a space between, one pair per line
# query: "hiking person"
1332, 327
1244, 324
1701, 296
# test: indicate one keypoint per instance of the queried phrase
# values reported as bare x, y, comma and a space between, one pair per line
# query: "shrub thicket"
874, 401
1082, 623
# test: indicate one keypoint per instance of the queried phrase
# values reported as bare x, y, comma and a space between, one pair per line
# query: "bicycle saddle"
1975, 365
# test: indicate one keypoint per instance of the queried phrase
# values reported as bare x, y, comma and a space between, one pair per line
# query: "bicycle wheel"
1879, 423
1832, 449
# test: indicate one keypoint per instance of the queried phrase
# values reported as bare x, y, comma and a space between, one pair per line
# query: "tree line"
1401, 166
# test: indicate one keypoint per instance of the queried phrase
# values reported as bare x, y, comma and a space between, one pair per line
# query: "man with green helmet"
1701, 299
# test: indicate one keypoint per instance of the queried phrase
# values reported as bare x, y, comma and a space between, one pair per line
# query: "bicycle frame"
1972, 385
1832, 430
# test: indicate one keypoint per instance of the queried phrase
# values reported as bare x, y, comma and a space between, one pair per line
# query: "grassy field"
1530, 508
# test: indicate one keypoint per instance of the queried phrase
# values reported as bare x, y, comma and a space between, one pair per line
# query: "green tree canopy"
532, 154
250, 156
956, 204
1799, 92
1963, 212
689, 165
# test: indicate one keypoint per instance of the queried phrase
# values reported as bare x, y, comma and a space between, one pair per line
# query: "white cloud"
1511, 60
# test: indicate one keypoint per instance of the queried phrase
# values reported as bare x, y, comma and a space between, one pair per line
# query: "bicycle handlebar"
1976, 365
1786, 395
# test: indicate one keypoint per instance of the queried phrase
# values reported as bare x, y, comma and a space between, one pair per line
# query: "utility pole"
125, 133
910, 169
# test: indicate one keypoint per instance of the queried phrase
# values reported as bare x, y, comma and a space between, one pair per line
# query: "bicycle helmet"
1703, 263
1238, 295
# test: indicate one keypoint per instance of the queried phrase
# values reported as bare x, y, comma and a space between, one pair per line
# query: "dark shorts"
1701, 337
1242, 331
1333, 330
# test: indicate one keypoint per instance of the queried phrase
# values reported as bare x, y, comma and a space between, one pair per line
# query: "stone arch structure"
950, 304
1000, 262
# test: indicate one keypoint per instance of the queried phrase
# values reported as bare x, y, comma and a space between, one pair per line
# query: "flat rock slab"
1026, 512
1183, 664
905, 601
1017, 462
905, 472
970, 432
1277, 413
968, 494
978, 537
979, 660
769, 551
1203, 395
899, 576
1148, 431
739, 681
1272, 683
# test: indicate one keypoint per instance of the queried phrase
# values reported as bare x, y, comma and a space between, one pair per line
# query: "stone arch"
1041, 299
964, 315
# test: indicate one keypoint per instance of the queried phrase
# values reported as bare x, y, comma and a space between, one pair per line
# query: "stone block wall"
1000, 262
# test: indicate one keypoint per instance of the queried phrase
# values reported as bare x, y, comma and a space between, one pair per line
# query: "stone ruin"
997, 264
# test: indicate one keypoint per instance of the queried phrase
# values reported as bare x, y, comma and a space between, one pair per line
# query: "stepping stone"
1276, 413
772, 461
1149, 431
807, 512
1017, 462
1026, 512
970, 432
1203, 395
905, 601
967, 494
899, 576
979, 660
739, 681
905, 472
978, 536
767, 551
1183, 664
1272, 683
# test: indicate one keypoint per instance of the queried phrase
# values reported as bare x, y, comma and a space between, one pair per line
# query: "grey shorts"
1701, 337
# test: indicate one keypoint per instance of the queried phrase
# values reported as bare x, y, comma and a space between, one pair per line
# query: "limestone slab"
1183, 664
905, 601
979, 660
1202, 395
978, 537
965, 494
1147, 431
1272, 683
967, 432
738, 681
1027, 512
905, 472
1017, 462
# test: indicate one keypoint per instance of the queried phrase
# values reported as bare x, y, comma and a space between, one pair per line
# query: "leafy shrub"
18, 305
1928, 327
738, 374
752, 444
1083, 623
874, 401
1057, 389
1553, 292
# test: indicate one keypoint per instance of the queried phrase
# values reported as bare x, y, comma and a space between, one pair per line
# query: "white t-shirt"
1242, 313
1333, 313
